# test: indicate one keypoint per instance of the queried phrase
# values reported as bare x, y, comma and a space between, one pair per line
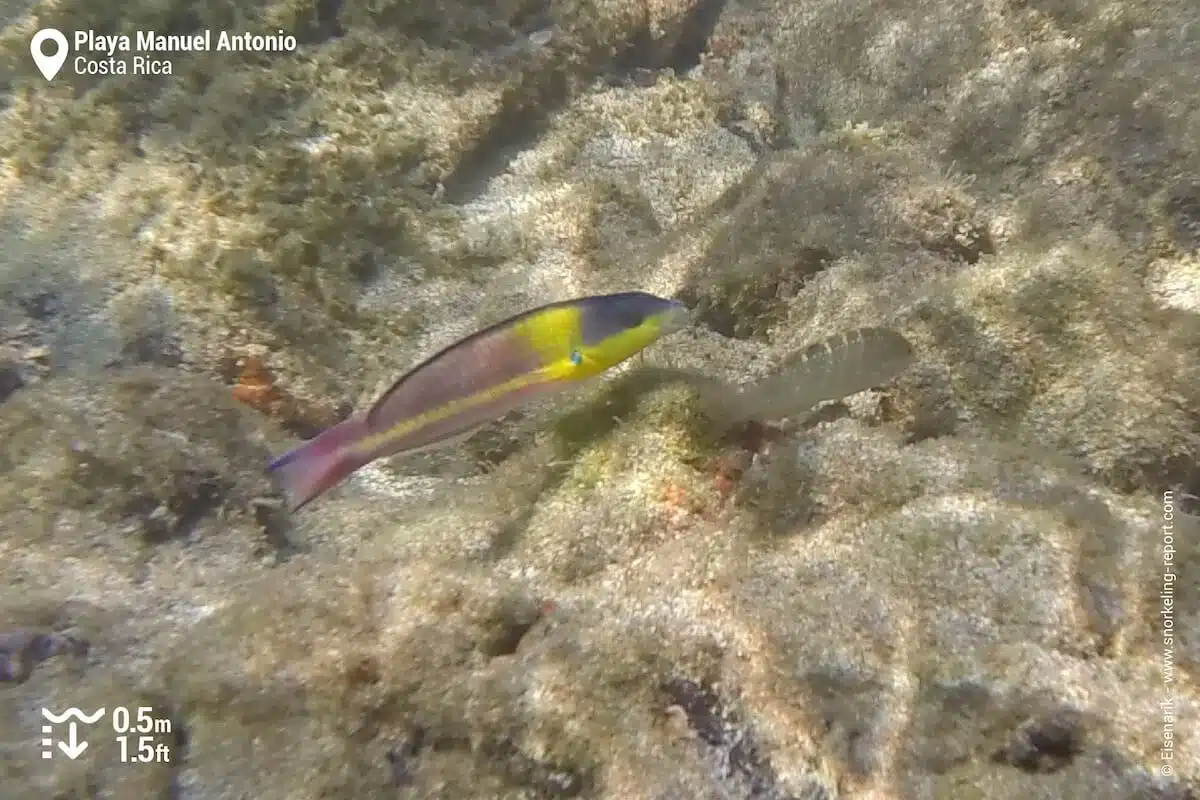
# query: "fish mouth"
674, 318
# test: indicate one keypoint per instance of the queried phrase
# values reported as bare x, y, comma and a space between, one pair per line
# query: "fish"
834, 368
479, 379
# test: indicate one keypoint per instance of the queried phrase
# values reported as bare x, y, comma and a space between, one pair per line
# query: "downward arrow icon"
72, 748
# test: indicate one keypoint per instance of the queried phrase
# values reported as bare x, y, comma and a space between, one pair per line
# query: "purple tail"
320, 463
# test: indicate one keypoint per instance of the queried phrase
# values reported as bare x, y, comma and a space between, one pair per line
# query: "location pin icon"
49, 65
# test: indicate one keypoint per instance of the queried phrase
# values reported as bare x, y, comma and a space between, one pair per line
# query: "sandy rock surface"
951, 586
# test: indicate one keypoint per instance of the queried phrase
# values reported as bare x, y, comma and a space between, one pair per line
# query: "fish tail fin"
319, 463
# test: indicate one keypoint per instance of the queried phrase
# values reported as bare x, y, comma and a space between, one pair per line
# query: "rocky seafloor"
947, 587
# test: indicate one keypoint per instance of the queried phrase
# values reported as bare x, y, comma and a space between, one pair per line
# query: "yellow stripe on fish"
372, 442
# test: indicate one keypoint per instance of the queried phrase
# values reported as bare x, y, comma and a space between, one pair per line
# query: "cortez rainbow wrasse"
479, 379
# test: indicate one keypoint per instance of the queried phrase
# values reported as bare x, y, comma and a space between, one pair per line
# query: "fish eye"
576, 357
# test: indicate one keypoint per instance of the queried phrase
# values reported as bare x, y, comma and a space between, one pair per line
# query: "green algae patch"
155, 452
642, 397
659, 434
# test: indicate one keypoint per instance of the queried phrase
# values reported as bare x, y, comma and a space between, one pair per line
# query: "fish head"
614, 327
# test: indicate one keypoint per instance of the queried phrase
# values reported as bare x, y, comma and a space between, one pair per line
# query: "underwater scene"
600, 399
